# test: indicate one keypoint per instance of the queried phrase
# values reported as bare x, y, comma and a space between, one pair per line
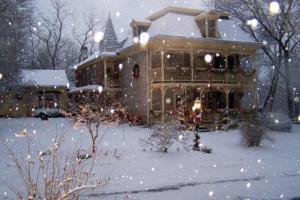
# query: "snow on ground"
230, 172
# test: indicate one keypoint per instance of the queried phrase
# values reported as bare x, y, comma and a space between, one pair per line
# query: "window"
215, 100
207, 28
156, 60
138, 30
199, 61
202, 27
235, 99
180, 59
219, 62
211, 28
112, 71
48, 100
233, 62
92, 74
136, 71
156, 99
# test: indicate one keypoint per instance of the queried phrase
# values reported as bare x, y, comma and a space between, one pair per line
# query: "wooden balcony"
114, 83
200, 75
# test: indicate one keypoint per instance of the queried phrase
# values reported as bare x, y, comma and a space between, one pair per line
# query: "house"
39, 91
174, 57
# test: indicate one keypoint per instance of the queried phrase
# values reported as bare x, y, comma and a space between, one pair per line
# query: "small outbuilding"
39, 91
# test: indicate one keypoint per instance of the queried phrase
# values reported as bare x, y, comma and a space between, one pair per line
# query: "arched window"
156, 99
136, 71
214, 100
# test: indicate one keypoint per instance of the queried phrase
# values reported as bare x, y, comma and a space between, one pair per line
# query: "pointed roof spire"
110, 41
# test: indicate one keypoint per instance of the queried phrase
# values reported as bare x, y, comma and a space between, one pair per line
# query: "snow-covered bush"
163, 137
252, 131
50, 173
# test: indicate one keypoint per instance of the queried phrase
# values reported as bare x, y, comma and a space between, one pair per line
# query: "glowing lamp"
208, 58
298, 118
197, 105
100, 89
1, 76
120, 66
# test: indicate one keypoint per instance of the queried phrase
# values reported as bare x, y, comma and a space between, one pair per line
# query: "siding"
134, 92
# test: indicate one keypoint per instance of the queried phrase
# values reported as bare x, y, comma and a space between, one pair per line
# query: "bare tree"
279, 33
50, 173
94, 113
50, 33
85, 39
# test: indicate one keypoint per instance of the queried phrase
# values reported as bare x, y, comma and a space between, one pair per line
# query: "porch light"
197, 105
208, 58
274, 8
1, 76
298, 118
168, 100
100, 89
120, 66
98, 36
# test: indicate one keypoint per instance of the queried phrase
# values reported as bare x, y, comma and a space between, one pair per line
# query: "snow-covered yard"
231, 171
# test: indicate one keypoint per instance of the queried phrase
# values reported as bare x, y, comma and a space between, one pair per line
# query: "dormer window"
138, 30
207, 27
211, 29
139, 27
207, 23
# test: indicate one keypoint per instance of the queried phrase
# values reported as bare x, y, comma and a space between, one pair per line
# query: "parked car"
276, 121
47, 112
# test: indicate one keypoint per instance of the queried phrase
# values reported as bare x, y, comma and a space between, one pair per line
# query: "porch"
217, 102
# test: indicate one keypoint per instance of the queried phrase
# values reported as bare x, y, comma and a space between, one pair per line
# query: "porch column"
150, 105
227, 98
149, 99
192, 64
163, 103
162, 66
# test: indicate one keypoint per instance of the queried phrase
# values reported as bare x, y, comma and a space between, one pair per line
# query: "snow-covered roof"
45, 78
175, 24
87, 88
174, 9
97, 55
229, 31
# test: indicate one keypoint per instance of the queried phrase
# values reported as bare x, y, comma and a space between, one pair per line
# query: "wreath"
136, 71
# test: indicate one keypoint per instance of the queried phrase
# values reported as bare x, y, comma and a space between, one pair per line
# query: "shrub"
252, 132
163, 137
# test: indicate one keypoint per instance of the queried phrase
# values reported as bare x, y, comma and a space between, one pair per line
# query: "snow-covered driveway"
230, 172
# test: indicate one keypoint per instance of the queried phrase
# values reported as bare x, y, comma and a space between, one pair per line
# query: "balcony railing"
172, 74
114, 83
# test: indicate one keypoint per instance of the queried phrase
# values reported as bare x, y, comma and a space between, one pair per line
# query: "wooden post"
163, 103
162, 67
149, 66
192, 64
